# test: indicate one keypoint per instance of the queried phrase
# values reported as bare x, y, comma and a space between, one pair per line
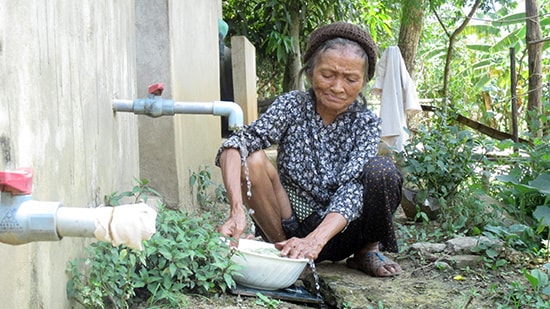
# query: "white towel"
398, 97
128, 224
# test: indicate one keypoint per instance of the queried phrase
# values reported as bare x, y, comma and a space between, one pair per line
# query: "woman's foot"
375, 264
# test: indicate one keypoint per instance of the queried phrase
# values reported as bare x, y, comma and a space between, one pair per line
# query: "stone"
464, 245
465, 260
426, 247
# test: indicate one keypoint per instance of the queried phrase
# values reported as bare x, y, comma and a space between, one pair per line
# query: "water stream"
317, 284
244, 155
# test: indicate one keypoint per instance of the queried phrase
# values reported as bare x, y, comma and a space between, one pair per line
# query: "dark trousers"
382, 183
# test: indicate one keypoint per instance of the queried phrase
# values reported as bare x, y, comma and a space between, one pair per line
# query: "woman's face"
337, 79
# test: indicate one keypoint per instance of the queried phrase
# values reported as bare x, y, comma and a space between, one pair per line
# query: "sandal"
375, 264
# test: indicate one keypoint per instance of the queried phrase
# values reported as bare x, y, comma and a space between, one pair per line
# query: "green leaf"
492, 253
542, 183
542, 214
123, 254
532, 280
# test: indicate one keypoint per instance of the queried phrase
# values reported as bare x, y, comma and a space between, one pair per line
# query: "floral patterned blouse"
321, 163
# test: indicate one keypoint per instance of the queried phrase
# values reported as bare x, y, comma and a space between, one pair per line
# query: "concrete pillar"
195, 78
243, 56
156, 135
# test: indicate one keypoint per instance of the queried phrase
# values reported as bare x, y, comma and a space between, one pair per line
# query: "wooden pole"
513, 79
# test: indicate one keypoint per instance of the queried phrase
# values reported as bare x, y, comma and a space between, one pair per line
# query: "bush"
439, 159
185, 256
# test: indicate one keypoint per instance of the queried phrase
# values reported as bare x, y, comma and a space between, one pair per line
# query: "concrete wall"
61, 63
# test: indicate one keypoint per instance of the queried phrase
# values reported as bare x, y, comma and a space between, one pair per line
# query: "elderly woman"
330, 196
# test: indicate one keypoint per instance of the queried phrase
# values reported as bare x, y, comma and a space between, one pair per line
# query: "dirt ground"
424, 284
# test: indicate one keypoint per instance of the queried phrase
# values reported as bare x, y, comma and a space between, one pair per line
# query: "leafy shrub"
438, 160
525, 179
185, 255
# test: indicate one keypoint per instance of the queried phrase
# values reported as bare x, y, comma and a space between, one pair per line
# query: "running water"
244, 155
322, 305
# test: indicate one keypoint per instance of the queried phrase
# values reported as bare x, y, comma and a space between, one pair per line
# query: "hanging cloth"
398, 97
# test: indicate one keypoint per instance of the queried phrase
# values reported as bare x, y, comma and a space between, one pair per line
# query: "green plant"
185, 255
461, 216
526, 177
522, 296
200, 183
348, 305
266, 301
538, 280
438, 160
445, 170
141, 191
106, 277
531, 198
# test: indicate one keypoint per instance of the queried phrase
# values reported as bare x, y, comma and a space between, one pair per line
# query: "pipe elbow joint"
232, 110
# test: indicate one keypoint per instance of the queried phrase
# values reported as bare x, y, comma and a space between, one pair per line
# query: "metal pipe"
231, 110
155, 106
26, 220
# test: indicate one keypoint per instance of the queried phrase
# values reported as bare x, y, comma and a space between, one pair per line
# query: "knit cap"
346, 31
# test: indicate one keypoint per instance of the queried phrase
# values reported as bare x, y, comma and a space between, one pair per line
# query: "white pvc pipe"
229, 109
76, 222
218, 108
123, 105
194, 107
232, 110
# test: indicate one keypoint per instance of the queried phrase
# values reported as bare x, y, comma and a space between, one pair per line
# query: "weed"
522, 296
201, 184
184, 256
140, 192
266, 302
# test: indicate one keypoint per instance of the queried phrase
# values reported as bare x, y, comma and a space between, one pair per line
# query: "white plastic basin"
262, 268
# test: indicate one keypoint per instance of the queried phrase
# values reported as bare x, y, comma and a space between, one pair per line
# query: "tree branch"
546, 39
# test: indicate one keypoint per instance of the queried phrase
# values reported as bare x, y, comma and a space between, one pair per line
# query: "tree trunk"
409, 33
534, 50
291, 80
452, 41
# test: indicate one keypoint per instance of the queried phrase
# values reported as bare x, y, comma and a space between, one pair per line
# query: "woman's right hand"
234, 227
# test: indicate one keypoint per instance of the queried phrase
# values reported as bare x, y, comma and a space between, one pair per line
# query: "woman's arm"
230, 164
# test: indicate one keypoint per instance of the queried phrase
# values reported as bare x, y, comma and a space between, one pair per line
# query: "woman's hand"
310, 246
300, 248
234, 227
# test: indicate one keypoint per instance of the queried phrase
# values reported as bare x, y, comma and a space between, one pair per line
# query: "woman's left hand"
299, 248
310, 246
